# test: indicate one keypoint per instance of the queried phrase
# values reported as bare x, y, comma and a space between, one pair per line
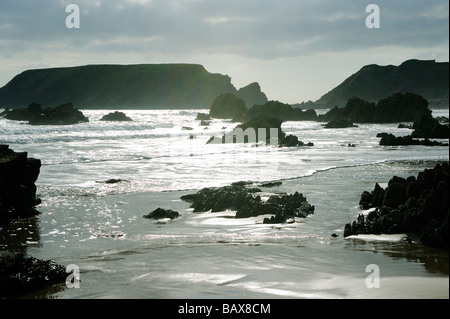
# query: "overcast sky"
297, 50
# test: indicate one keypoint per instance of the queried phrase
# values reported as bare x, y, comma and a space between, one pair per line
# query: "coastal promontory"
141, 86
373, 82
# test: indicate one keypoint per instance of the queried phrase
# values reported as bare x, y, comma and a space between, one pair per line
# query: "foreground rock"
392, 140
64, 114
21, 275
160, 213
262, 129
116, 116
396, 108
247, 204
412, 205
18, 175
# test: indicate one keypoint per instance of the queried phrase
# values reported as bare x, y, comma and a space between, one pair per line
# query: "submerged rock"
412, 205
18, 174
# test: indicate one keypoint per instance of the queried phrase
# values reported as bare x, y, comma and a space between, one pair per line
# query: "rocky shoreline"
20, 274
413, 205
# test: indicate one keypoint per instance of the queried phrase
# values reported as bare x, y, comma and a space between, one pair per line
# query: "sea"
98, 180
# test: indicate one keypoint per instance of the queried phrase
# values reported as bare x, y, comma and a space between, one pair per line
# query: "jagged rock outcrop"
64, 114
247, 203
412, 205
428, 127
23, 114
18, 174
388, 139
252, 94
261, 129
227, 106
395, 108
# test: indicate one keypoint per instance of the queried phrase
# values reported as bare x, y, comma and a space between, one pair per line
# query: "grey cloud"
266, 29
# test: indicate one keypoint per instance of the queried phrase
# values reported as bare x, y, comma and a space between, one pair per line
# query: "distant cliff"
146, 86
429, 79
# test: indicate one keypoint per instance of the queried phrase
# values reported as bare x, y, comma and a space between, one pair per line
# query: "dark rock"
23, 114
18, 175
383, 134
227, 106
373, 199
291, 140
204, 123
250, 132
339, 124
392, 140
186, 128
160, 213
203, 117
64, 114
271, 184
279, 110
413, 205
112, 181
429, 127
252, 94
401, 125
396, 108
116, 116
248, 204
21, 275
442, 119
241, 183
